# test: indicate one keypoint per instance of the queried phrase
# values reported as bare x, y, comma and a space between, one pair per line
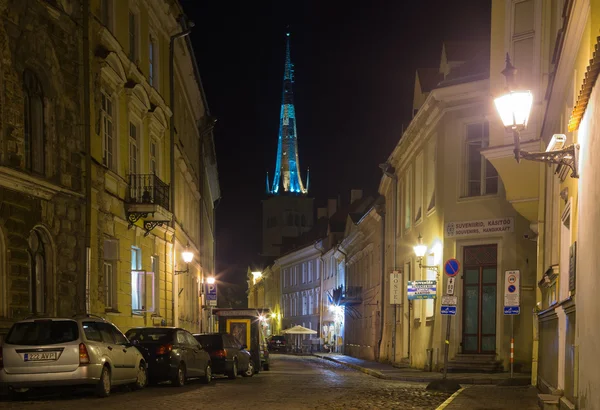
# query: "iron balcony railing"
148, 189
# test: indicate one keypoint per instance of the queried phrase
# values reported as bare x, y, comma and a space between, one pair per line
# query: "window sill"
477, 198
113, 311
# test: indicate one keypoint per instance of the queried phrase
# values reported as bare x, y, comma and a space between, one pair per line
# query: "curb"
450, 399
364, 370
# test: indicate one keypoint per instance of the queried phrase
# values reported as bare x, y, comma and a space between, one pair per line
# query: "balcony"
148, 199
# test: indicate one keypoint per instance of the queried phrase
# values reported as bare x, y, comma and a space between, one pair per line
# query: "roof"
337, 222
474, 69
429, 78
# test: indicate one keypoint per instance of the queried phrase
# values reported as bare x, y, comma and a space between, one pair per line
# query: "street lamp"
188, 257
420, 250
514, 109
210, 280
256, 276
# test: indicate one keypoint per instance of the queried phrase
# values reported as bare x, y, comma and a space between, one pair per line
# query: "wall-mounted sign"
421, 289
396, 288
479, 227
512, 292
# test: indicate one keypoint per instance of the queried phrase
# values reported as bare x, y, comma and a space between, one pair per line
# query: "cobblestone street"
293, 383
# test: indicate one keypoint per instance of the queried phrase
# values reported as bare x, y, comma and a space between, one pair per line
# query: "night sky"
354, 79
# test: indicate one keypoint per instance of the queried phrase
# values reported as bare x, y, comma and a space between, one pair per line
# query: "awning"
521, 180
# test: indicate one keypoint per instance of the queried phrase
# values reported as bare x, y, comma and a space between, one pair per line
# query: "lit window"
142, 284
482, 177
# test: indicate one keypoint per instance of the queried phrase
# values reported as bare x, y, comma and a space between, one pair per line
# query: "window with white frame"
419, 187
430, 275
154, 262
133, 36
430, 171
154, 156
408, 181
142, 284
310, 271
482, 177
134, 150
153, 61
110, 259
108, 140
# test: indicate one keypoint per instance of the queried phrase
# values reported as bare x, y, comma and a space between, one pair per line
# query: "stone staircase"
475, 363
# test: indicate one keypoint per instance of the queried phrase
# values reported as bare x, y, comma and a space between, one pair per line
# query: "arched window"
33, 123
41, 279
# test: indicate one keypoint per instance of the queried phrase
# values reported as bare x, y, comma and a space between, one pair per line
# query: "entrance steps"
548, 402
475, 363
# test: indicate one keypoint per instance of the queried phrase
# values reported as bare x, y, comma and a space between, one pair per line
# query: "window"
33, 123
419, 187
154, 261
153, 157
565, 252
106, 13
41, 279
111, 256
142, 284
107, 132
430, 275
407, 199
152, 69
132, 36
134, 152
482, 177
430, 170
304, 272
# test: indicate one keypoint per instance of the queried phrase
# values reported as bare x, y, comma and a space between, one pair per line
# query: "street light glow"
514, 108
420, 248
210, 280
187, 256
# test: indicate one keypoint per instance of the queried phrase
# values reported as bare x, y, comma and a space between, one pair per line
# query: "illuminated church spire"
287, 178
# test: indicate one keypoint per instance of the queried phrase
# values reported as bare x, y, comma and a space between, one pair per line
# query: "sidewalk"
492, 398
389, 372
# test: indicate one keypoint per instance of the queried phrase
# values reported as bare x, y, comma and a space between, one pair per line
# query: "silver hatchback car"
86, 351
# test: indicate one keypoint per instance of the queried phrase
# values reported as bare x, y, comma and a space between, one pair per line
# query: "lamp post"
514, 109
188, 257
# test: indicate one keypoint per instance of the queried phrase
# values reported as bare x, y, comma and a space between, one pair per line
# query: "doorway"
480, 276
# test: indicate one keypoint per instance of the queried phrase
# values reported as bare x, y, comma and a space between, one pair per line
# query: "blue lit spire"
287, 178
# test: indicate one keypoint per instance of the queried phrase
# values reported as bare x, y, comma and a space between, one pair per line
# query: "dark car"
277, 344
227, 355
172, 354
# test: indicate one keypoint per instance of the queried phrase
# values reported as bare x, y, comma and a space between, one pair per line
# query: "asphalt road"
293, 383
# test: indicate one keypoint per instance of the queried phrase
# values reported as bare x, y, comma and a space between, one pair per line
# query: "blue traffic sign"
448, 310
211, 291
512, 310
512, 288
451, 267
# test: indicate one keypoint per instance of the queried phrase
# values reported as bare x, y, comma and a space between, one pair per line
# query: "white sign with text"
479, 227
396, 288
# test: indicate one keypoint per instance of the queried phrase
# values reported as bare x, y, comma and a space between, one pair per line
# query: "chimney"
355, 195
331, 207
321, 213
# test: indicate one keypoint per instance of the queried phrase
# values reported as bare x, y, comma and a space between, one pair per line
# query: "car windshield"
150, 335
43, 332
210, 341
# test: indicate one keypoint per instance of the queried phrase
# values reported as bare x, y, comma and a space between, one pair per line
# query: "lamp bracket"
434, 268
568, 157
179, 272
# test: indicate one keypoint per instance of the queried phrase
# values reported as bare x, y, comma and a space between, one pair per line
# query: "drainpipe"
380, 209
390, 172
88, 153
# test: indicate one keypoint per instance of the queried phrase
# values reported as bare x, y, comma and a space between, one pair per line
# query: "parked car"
86, 351
277, 343
227, 354
172, 354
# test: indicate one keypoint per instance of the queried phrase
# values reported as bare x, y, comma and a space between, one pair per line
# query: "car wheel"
234, 370
104, 384
207, 375
179, 379
142, 377
250, 370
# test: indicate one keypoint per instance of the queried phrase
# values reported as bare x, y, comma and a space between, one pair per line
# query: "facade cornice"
31, 185
300, 255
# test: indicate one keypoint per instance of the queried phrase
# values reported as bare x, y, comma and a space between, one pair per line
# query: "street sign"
448, 310
450, 285
211, 294
449, 300
421, 289
512, 310
451, 267
396, 288
512, 291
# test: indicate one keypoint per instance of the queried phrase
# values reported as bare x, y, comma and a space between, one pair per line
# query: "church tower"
288, 212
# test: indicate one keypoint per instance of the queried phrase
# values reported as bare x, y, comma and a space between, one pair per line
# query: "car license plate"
39, 357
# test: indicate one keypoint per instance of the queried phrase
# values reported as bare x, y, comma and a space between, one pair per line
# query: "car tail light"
220, 353
84, 357
164, 349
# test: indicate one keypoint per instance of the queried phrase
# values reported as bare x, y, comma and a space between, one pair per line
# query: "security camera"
532, 236
557, 142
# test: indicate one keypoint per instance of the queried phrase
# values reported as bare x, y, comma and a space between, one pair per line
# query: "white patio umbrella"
299, 330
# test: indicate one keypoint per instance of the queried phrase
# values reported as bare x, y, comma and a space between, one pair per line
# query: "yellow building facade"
153, 175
